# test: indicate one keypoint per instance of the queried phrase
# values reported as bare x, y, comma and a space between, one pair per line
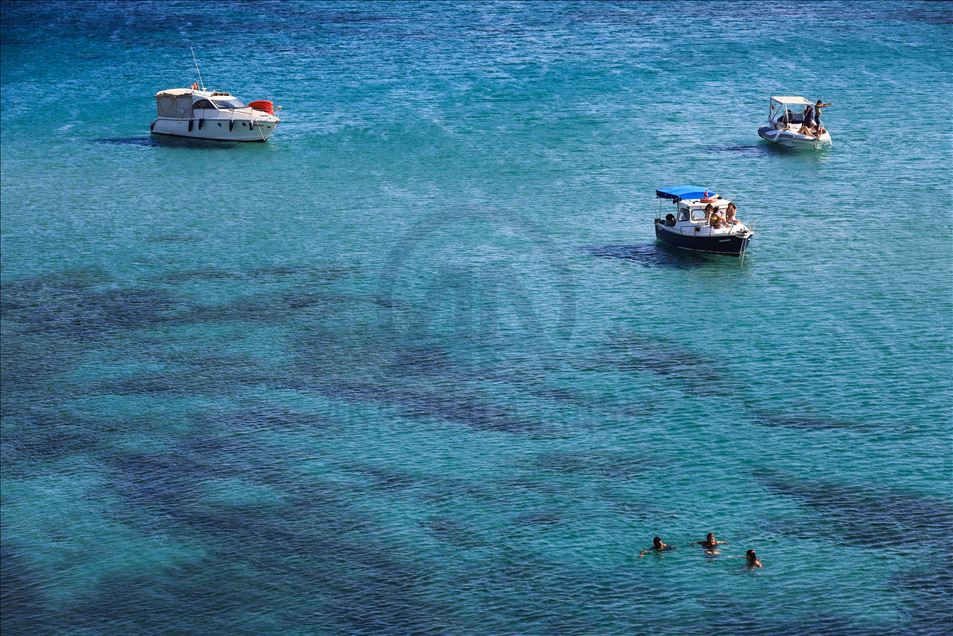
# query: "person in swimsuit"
711, 543
730, 214
807, 127
751, 560
658, 546
818, 129
708, 210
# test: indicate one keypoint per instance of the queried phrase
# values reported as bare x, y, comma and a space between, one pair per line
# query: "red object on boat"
263, 105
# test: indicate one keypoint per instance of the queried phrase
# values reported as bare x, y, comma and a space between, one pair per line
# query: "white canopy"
792, 99
175, 92
175, 102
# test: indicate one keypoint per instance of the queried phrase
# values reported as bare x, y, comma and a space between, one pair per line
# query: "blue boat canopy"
677, 193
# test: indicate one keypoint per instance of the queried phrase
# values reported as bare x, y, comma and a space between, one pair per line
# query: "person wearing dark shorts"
817, 117
807, 124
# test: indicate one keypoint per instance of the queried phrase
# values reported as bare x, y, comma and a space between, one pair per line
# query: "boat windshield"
228, 102
698, 214
795, 116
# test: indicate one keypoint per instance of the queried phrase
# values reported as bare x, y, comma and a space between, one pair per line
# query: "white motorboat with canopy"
215, 115
701, 222
786, 115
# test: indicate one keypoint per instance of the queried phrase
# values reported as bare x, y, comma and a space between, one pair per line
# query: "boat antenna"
201, 82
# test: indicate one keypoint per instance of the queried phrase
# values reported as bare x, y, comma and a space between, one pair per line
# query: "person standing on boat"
818, 130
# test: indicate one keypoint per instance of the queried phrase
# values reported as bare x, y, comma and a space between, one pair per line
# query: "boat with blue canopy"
703, 221
677, 193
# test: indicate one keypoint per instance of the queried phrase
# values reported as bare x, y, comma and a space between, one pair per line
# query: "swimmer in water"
711, 544
658, 546
751, 560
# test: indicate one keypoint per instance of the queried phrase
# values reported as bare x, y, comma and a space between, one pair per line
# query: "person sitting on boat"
730, 214
708, 210
195, 86
785, 119
818, 129
807, 127
716, 220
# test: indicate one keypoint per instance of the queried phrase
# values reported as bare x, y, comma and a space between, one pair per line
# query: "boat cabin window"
228, 102
683, 214
698, 214
202, 103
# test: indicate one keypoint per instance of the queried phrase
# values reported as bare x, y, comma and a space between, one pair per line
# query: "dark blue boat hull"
727, 245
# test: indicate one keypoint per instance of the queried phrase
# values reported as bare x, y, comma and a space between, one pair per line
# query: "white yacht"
203, 114
785, 118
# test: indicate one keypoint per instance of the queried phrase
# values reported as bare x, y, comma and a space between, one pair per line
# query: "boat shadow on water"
167, 141
660, 255
762, 148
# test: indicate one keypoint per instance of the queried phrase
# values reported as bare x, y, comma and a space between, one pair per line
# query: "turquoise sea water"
417, 365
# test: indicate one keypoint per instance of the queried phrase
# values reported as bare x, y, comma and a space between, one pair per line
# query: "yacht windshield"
228, 102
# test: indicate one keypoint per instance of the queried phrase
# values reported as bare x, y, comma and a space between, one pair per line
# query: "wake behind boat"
789, 120
703, 222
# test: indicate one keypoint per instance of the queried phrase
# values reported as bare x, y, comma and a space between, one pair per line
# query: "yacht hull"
726, 244
214, 129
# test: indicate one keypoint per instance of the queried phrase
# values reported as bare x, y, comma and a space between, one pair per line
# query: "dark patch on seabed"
76, 309
621, 466
728, 616
928, 590
175, 238
313, 545
37, 436
803, 421
22, 603
867, 516
454, 533
656, 354
628, 350
310, 275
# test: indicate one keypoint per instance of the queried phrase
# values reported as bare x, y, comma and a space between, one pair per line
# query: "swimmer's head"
751, 556
657, 542
710, 537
